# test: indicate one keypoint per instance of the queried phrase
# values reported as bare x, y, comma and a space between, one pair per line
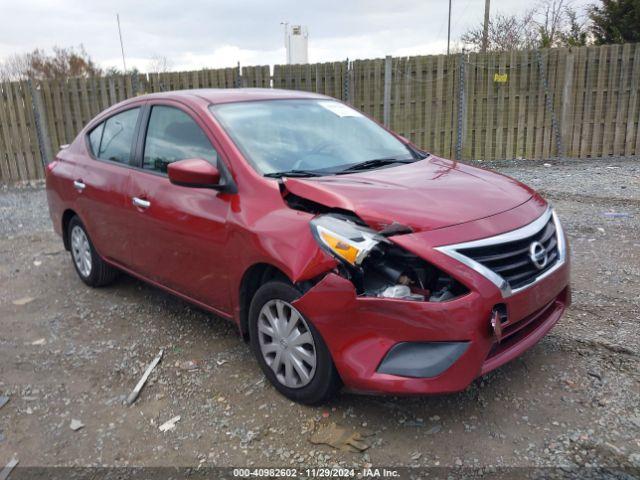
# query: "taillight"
50, 166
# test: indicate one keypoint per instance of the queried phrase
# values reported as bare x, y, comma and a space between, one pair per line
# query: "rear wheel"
288, 348
91, 269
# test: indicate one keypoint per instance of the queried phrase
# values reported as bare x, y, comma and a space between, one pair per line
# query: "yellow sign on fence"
500, 77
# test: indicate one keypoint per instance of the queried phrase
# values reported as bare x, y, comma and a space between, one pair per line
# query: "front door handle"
79, 185
140, 202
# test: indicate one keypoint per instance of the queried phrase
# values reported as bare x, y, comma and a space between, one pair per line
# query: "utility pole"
485, 31
124, 64
449, 28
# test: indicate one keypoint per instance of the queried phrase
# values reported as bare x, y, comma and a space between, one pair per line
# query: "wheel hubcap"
286, 343
81, 251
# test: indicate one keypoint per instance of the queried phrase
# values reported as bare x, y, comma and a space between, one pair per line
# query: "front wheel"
91, 269
288, 347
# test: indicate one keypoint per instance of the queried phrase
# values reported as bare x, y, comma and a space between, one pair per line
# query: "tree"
616, 21
38, 65
159, 64
506, 32
552, 23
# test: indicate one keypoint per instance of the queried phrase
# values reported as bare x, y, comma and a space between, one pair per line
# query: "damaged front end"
378, 267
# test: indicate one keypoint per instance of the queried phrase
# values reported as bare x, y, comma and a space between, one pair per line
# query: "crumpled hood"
425, 195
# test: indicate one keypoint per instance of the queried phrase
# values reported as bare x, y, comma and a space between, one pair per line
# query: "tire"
323, 379
89, 266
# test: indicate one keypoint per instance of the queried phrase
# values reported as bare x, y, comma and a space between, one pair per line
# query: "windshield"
306, 135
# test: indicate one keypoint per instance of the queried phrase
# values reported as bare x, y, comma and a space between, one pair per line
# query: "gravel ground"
69, 352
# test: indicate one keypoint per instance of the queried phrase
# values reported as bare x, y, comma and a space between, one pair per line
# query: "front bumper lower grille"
515, 260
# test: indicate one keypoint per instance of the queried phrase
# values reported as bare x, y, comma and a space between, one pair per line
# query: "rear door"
103, 184
179, 233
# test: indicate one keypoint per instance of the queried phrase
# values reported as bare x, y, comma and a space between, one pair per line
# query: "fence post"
566, 116
462, 110
549, 103
345, 83
386, 105
42, 133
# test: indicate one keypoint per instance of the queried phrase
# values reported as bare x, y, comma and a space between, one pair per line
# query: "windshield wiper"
376, 162
294, 173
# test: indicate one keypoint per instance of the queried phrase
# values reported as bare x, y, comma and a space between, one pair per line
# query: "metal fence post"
345, 83
386, 105
462, 107
42, 133
549, 104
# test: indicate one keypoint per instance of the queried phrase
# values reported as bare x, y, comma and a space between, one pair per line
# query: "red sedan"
345, 255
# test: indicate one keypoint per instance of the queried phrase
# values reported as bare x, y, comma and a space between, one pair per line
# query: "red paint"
193, 172
198, 243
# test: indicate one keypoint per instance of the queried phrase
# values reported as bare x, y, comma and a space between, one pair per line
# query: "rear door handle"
79, 185
140, 202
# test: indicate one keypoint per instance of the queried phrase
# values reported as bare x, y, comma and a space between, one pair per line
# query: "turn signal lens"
344, 239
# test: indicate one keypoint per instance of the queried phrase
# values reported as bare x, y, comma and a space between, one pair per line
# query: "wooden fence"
580, 102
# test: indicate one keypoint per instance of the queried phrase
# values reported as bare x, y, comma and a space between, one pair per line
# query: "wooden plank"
489, 143
597, 137
8, 155
30, 130
512, 105
450, 97
520, 145
469, 96
568, 100
611, 99
22, 159
580, 96
631, 135
622, 101
541, 107
587, 118
501, 121
51, 117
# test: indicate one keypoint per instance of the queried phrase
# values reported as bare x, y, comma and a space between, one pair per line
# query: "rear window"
112, 139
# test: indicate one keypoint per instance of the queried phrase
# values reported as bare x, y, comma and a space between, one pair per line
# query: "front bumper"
362, 333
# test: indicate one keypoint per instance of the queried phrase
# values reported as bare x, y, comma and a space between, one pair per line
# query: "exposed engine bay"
374, 264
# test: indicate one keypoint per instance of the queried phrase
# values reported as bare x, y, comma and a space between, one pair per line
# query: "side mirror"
194, 172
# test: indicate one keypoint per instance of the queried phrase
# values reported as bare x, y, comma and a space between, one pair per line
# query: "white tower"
296, 43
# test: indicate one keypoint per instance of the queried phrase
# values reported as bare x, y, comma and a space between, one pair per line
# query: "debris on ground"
188, 365
169, 424
136, 391
616, 214
6, 471
4, 399
340, 438
76, 425
40, 341
23, 301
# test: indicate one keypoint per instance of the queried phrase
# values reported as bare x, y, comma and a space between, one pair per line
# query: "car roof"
230, 95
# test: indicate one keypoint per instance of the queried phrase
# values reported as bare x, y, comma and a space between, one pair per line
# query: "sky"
211, 34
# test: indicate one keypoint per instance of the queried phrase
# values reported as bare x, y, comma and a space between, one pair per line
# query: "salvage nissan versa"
346, 255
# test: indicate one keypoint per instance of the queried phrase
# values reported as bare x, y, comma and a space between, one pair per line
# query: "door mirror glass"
194, 172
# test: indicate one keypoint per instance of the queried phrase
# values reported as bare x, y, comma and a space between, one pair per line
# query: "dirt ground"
70, 352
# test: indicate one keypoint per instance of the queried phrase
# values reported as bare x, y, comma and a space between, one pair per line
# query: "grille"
512, 260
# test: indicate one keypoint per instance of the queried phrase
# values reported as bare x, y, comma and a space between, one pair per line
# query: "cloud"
219, 33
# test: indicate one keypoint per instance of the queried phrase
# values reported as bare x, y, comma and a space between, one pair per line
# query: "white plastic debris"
136, 391
40, 341
169, 424
6, 471
76, 425
23, 301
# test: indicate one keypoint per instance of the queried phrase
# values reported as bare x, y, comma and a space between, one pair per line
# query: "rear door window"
117, 137
94, 138
173, 135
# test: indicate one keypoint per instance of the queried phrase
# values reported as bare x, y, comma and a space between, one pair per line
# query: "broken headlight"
346, 240
379, 268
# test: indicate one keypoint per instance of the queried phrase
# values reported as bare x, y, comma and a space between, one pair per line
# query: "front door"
179, 233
